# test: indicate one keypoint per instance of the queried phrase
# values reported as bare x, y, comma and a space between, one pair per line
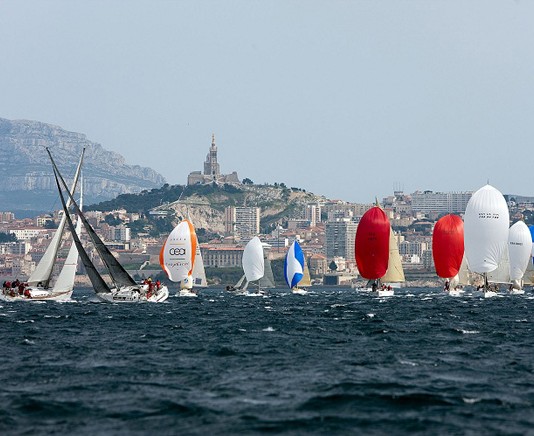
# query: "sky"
347, 99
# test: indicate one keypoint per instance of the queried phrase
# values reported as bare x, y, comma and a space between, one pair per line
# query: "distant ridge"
27, 180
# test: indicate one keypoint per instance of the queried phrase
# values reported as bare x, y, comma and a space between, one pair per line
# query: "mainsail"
394, 273
199, 272
65, 279
43, 270
372, 244
448, 245
117, 272
99, 285
267, 281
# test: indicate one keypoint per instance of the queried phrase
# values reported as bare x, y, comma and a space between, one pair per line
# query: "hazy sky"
349, 99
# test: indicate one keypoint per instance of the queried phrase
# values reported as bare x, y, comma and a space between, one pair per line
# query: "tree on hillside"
247, 181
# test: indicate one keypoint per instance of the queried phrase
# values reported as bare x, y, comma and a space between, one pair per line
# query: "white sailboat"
254, 268
178, 257
38, 284
486, 221
294, 264
125, 289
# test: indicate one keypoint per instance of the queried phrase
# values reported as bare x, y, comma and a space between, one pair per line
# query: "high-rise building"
242, 222
440, 202
340, 236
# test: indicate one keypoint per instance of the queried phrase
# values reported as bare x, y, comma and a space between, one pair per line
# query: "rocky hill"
205, 205
27, 178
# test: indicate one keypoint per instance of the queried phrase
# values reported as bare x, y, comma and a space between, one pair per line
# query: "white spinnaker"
519, 249
486, 223
177, 257
253, 260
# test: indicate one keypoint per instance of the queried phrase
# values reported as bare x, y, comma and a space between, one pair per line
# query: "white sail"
253, 260
177, 255
394, 273
519, 249
501, 274
43, 270
486, 223
267, 281
463, 276
65, 280
199, 272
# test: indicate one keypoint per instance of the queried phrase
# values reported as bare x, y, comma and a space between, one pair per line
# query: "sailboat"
40, 280
520, 255
125, 289
375, 244
448, 250
294, 268
254, 269
486, 221
178, 257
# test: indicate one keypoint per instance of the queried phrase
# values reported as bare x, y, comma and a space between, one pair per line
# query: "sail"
65, 279
519, 249
267, 281
448, 245
240, 282
394, 273
116, 270
43, 270
99, 285
501, 274
486, 223
306, 280
528, 278
372, 244
253, 264
294, 265
464, 277
199, 272
177, 256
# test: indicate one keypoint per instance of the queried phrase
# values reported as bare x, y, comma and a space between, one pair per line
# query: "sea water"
334, 361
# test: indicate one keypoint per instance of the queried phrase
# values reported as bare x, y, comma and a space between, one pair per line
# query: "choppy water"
333, 361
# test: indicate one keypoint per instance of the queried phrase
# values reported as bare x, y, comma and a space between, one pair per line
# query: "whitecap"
268, 329
242, 330
370, 315
471, 400
407, 362
27, 341
21, 321
468, 332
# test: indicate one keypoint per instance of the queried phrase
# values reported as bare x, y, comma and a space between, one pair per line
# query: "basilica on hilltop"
212, 171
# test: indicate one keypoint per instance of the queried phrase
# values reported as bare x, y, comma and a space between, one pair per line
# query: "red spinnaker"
372, 244
448, 245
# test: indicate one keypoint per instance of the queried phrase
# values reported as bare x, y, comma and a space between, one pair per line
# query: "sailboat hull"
37, 294
134, 294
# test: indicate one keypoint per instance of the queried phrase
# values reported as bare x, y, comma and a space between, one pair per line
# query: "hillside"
205, 205
28, 181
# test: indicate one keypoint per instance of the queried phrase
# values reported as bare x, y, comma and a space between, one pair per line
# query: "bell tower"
211, 167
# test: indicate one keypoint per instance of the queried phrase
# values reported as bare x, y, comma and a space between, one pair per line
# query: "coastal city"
325, 229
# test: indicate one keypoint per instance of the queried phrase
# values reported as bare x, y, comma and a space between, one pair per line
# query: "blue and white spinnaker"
294, 265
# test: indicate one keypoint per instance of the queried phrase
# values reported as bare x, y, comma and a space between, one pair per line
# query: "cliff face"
25, 166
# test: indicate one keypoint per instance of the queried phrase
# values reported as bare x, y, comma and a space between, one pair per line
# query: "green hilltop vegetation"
277, 202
